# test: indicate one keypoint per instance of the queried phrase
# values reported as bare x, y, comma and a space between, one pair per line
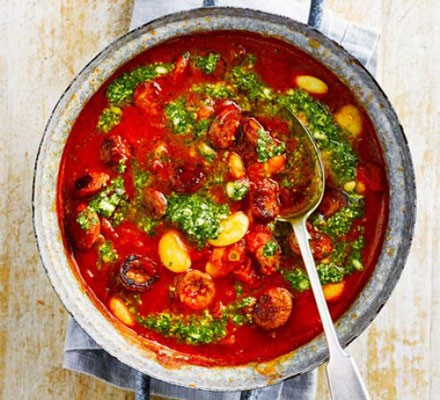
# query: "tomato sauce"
145, 130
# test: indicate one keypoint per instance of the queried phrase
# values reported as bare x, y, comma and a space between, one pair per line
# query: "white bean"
121, 311
173, 252
311, 84
233, 229
349, 118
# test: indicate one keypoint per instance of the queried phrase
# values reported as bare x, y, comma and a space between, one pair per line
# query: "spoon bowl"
312, 162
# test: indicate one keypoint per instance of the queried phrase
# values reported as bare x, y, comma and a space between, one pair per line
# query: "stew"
174, 175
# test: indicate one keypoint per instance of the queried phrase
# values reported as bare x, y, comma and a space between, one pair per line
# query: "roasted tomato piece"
155, 202
273, 308
246, 273
187, 178
206, 109
90, 184
195, 289
114, 150
138, 273
264, 199
251, 128
148, 97
275, 165
373, 176
321, 244
332, 202
84, 227
222, 131
268, 257
224, 260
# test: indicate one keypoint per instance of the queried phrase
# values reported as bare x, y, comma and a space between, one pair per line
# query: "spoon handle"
344, 379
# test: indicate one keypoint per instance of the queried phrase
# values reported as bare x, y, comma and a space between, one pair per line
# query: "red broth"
143, 127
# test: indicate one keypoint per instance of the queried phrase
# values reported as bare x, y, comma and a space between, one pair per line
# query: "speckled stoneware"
118, 340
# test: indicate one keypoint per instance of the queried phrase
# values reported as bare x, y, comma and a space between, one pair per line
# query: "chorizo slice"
258, 237
155, 202
138, 273
332, 202
251, 129
148, 97
264, 200
320, 243
187, 178
273, 308
195, 289
84, 227
114, 150
268, 257
222, 131
90, 184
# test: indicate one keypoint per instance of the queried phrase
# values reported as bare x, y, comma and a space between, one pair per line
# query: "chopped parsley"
201, 127
191, 329
197, 216
328, 135
266, 147
180, 118
248, 82
86, 219
120, 91
355, 262
219, 90
111, 202
297, 278
147, 224
270, 248
341, 222
330, 273
208, 63
240, 311
201, 328
107, 253
140, 178
237, 190
110, 117
238, 288
208, 153
121, 167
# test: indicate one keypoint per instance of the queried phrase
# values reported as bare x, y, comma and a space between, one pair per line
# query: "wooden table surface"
45, 43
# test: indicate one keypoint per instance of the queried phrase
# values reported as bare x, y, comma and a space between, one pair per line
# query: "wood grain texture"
45, 43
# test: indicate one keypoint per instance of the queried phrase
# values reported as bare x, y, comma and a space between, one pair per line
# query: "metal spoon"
343, 376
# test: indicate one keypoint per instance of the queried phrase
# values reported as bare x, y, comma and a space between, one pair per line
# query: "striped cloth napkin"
81, 353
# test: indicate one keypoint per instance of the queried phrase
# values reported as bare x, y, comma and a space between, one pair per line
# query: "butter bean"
311, 84
236, 166
333, 291
349, 118
120, 311
233, 229
173, 252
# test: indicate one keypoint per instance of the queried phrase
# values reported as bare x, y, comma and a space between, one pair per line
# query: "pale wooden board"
45, 43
